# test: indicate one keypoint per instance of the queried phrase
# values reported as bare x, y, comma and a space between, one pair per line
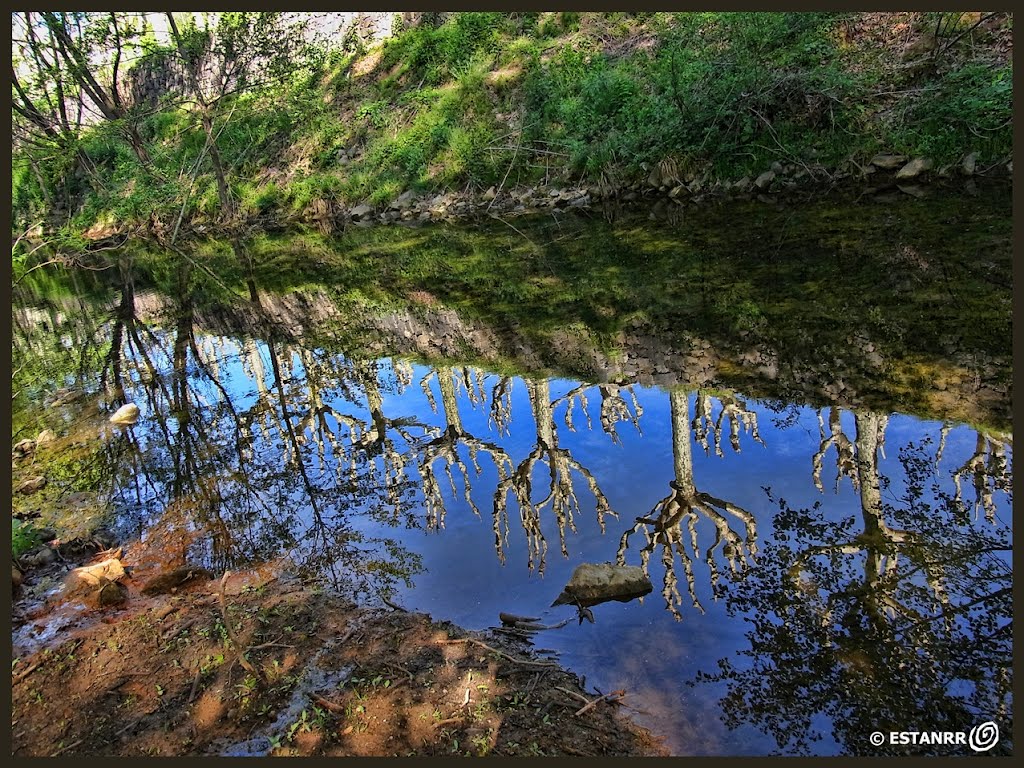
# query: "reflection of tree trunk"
446, 382
561, 492
682, 451
445, 447
879, 543
124, 314
663, 527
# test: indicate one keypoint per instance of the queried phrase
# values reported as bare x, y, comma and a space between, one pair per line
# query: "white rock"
126, 414
914, 168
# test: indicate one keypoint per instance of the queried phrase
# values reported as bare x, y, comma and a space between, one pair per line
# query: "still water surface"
823, 566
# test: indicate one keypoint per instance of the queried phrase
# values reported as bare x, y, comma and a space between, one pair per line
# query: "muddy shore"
259, 664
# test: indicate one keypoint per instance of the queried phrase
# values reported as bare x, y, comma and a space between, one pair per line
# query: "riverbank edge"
301, 672
885, 175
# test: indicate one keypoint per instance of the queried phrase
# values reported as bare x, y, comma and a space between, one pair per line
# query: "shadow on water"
824, 469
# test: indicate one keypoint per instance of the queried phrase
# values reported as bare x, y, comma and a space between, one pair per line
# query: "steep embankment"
502, 113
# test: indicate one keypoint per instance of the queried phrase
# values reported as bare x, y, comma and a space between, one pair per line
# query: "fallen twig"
177, 629
22, 675
613, 696
513, 659
400, 668
271, 644
231, 633
327, 704
579, 696
195, 685
72, 745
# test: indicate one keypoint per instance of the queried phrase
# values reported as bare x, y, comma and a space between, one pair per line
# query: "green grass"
525, 97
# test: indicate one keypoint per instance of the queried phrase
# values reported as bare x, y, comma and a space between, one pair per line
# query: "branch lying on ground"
246, 664
613, 696
513, 659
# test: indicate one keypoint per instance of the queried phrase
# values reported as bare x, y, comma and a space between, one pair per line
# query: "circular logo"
877, 738
983, 737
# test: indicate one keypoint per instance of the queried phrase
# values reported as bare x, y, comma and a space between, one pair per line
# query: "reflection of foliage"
664, 526
905, 626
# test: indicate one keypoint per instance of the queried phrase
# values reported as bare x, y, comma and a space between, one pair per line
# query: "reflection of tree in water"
987, 470
561, 491
902, 623
846, 464
244, 485
685, 505
733, 409
444, 445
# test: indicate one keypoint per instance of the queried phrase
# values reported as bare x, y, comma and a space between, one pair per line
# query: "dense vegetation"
475, 100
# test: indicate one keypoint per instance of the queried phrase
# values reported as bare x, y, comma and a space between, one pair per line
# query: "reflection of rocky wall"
964, 391
640, 355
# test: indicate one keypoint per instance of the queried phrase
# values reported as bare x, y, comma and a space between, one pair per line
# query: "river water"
796, 423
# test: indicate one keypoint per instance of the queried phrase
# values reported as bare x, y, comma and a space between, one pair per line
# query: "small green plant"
23, 537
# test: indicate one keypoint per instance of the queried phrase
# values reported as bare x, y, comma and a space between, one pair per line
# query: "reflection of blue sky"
638, 646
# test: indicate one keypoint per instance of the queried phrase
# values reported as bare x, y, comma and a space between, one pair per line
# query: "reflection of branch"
445, 446
732, 408
663, 527
880, 543
561, 494
501, 405
846, 465
614, 409
988, 471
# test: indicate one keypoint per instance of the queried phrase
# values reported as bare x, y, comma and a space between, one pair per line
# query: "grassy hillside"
510, 100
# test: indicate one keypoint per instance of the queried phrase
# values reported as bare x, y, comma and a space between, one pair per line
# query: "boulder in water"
593, 583
126, 414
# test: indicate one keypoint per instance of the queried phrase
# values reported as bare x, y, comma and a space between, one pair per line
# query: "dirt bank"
259, 664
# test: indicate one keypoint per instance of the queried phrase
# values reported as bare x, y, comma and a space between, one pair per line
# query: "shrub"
23, 537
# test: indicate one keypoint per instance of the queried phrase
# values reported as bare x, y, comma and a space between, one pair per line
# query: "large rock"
31, 485
111, 593
361, 212
913, 190
45, 437
126, 414
969, 164
403, 201
764, 180
24, 448
914, 168
593, 583
89, 582
888, 162
169, 581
